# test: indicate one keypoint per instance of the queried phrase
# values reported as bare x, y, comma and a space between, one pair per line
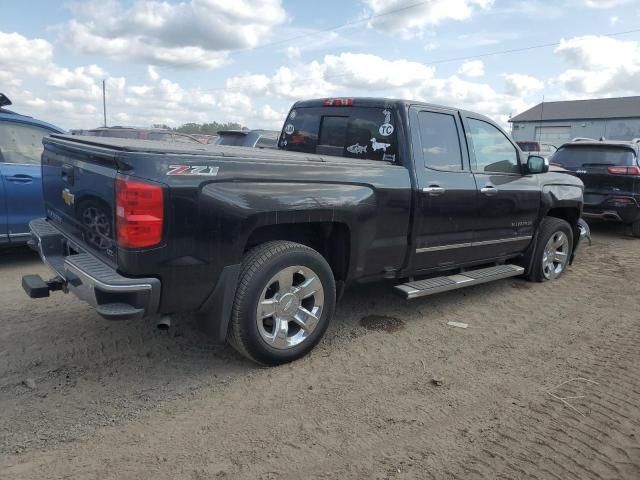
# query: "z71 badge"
191, 170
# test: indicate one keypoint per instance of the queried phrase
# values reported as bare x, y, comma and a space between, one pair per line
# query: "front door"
508, 200
21, 147
446, 203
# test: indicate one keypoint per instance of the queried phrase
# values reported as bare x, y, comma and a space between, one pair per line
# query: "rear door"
447, 204
21, 148
508, 201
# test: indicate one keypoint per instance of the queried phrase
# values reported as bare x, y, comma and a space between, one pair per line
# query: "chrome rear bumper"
114, 296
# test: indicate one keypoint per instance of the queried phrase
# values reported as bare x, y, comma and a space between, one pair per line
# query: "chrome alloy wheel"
290, 307
555, 256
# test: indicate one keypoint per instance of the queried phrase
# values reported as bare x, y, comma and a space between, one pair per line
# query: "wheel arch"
331, 239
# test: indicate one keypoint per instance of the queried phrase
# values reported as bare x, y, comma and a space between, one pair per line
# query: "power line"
330, 29
450, 59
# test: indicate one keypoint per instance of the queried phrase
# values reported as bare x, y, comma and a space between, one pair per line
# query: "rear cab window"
367, 133
574, 157
231, 139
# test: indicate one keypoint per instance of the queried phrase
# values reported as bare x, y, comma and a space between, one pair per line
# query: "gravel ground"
392, 391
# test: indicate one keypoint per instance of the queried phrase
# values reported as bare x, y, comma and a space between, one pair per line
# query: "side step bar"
422, 288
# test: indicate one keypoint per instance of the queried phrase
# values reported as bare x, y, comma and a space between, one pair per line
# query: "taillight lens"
139, 213
635, 171
338, 102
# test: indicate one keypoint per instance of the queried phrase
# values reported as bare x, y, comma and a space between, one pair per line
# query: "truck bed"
213, 151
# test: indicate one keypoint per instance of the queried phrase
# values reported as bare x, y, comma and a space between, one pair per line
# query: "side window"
440, 141
266, 142
494, 152
21, 143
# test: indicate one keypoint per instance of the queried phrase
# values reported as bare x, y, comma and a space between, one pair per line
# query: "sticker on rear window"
375, 145
191, 170
289, 129
386, 128
357, 149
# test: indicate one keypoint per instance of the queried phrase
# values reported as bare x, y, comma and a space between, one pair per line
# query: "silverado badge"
68, 197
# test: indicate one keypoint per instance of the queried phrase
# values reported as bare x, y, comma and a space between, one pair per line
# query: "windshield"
573, 157
353, 132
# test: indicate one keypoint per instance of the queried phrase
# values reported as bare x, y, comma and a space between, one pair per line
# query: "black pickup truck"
261, 243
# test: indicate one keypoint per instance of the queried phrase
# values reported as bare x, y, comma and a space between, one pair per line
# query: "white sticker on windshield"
386, 128
375, 145
289, 129
292, 115
357, 149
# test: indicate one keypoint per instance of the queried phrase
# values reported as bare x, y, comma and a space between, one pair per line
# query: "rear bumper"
114, 296
621, 215
625, 210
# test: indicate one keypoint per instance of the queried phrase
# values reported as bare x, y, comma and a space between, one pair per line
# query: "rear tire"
635, 229
284, 303
552, 251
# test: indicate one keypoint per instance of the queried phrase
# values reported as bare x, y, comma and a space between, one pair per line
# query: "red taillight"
338, 102
635, 171
139, 213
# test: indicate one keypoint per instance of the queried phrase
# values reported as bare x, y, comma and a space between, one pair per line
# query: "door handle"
489, 190
20, 178
434, 190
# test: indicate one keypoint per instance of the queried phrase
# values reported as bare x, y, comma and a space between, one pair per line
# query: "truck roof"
383, 102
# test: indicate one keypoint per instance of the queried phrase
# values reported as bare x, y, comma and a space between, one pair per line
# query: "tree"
208, 128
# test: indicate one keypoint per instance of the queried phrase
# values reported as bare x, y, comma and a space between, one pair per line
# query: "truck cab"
476, 198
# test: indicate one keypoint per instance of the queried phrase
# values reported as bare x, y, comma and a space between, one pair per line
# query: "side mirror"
537, 164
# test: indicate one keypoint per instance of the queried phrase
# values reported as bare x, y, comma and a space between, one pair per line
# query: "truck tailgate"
79, 193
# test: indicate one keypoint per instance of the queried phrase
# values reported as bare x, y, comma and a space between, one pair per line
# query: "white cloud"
352, 74
473, 69
604, 3
197, 33
518, 84
600, 65
614, 20
411, 17
23, 56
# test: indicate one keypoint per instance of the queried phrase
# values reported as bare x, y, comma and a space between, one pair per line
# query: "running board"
422, 288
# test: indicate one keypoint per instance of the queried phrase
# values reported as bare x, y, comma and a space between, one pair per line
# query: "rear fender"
239, 208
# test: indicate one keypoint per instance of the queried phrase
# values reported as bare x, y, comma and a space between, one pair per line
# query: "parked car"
248, 138
20, 173
263, 242
156, 134
611, 175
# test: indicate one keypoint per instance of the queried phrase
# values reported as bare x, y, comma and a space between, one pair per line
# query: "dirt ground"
81, 397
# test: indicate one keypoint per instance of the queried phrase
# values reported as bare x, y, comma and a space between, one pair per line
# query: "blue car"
20, 175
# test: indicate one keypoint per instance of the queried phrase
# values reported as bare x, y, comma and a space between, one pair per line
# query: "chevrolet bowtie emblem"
68, 197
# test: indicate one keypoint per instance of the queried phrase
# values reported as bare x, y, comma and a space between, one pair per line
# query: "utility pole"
104, 103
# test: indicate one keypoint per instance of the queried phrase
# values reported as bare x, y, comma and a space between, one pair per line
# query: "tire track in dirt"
603, 444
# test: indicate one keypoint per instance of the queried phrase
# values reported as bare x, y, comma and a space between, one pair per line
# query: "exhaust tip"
164, 323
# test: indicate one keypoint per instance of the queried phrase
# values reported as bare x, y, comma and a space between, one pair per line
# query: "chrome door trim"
443, 247
502, 240
473, 244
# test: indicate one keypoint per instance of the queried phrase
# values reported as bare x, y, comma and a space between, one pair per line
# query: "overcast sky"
248, 60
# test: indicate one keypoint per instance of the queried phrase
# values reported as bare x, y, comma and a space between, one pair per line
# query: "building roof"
597, 108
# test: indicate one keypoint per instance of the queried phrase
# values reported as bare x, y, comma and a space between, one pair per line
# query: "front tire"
552, 252
284, 303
